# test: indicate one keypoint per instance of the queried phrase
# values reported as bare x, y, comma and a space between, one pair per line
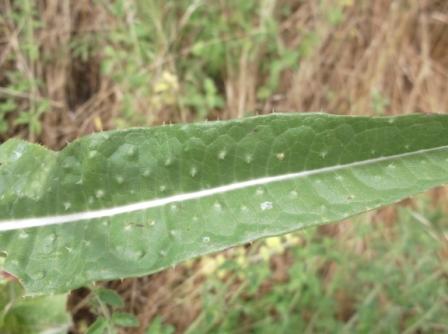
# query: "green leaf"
109, 297
132, 202
98, 327
157, 326
31, 315
125, 319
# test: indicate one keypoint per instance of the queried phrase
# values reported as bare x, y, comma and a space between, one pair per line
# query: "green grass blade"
127, 203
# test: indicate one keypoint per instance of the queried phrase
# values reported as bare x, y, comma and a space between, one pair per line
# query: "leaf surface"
31, 315
132, 202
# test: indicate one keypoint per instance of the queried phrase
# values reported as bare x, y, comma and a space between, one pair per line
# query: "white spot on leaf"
131, 151
193, 171
23, 235
266, 206
100, 193
93, 154
222, 154
217, 206
280, 156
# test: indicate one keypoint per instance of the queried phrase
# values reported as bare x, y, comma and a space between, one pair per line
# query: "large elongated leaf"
136, 201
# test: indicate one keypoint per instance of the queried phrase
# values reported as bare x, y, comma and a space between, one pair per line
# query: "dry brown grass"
74, 87
393, 51
392, 48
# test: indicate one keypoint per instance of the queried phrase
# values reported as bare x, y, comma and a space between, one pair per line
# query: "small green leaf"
109, 297
125, 319
158, 327
98, 327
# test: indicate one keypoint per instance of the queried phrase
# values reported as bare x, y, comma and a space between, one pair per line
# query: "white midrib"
8, 225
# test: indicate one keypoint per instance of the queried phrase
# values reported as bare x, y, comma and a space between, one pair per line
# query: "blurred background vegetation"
69, 68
